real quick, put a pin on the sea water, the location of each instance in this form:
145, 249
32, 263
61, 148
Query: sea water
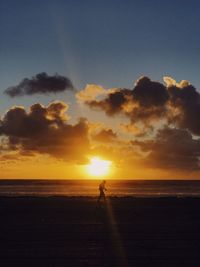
118, 188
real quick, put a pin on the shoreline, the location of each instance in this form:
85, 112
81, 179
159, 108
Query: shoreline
108, 197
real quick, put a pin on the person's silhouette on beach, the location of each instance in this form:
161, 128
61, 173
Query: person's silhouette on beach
102, 190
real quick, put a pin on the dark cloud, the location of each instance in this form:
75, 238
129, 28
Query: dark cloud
186, 104
45, 130
41, 83
113, 103
105, 136
151, 102
147, 101
149, 93
171, 148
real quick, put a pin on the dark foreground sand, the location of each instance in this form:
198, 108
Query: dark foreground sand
61, 231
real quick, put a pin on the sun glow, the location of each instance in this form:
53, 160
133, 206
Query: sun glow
98, 167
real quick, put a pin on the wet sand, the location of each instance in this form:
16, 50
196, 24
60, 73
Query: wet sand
62, 231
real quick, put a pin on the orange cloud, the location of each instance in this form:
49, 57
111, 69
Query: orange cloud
90, 92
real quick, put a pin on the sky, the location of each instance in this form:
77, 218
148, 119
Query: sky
78, 57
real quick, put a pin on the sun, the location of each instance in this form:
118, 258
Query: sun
98, 167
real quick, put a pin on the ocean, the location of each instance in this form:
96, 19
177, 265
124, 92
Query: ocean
117, 188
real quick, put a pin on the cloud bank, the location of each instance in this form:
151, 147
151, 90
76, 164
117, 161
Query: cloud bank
45, 130
161, 121
149, 102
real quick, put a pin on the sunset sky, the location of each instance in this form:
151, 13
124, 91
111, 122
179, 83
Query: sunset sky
111, 80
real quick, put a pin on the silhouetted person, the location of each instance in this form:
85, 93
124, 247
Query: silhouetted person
102, 190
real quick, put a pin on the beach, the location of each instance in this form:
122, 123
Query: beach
75, 231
